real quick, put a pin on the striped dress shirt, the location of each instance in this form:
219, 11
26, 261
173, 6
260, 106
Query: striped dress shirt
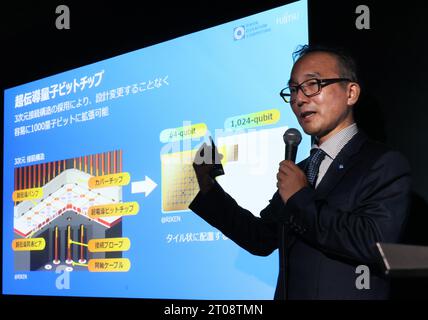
332, 148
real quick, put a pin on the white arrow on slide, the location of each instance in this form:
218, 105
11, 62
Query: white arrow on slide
146, 186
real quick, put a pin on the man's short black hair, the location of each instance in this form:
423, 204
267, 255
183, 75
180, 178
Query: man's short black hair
346, 63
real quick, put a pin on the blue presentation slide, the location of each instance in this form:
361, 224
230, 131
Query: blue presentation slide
98, 170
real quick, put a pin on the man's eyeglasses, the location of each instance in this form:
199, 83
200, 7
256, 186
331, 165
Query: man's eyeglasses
310, 88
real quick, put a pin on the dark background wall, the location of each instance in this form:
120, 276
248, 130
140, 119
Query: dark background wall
392, 56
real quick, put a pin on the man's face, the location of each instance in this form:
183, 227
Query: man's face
329, 111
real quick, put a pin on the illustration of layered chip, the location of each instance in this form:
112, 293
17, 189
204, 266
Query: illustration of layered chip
57, 219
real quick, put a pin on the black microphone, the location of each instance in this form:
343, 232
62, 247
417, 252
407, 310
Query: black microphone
292, 139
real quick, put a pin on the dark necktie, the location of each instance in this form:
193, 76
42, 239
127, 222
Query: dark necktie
314, 161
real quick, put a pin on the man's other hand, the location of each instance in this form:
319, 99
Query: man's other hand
203, 164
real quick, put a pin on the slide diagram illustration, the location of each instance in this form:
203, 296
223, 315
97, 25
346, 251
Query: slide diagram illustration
70, 213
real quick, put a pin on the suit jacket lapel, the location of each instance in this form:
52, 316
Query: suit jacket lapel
340, 165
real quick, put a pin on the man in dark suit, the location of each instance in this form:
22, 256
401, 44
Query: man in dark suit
330, 209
